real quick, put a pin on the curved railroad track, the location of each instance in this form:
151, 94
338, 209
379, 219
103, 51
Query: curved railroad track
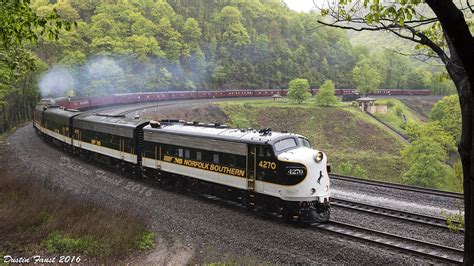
393, 213
434, 252
423, 190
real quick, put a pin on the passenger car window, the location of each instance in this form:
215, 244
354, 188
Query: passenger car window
285, 144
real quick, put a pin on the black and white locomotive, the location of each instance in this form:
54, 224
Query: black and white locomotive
276, 171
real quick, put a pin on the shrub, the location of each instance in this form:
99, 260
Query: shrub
298, 90
347, 168
326, 95
87, 245
147, 241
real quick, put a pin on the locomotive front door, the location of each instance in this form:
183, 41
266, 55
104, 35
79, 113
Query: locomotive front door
251, 166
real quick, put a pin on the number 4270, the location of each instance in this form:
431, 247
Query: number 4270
267, 165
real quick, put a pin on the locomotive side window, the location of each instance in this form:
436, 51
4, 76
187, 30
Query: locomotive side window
216, 158
265, 151
187, 154
198, 156
304, 142
285, 144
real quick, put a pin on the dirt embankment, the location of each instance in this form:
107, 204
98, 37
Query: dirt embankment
420, 106
201, 112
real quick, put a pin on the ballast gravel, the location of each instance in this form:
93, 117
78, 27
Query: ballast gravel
215, 232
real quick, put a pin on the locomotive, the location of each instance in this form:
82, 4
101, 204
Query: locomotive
278, 172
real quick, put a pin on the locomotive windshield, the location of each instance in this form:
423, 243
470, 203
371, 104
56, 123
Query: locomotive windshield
289, 143
285, 144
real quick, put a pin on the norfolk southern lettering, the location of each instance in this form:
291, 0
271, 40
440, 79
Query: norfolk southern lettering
262, 169
208, 166
215, 168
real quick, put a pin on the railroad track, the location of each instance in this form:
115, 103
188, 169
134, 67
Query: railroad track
436, 253
397, 214
423, 190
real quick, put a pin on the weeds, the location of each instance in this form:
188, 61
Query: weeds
59, 224
147, 241
346, 168
454, 221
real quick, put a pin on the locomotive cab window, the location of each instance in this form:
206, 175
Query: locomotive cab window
285, 144
304, 142
265, 151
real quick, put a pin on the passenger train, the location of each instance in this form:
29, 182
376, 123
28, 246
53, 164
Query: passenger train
277, 172
122, 98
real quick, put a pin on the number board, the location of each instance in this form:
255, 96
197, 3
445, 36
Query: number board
295, 171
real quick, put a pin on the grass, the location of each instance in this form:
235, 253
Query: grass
281, 102
396, 113
35, 219
347, 135
355, 143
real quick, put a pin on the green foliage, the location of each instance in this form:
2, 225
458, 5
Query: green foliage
454, 221
447, 112
399, 111
458, 177
432, 131
147, 241
87, 245
326, 95
298, 90
240, 122
20, 22
427, 168
366, 77
398, 114
347, 168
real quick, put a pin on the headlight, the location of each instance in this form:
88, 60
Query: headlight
318, 156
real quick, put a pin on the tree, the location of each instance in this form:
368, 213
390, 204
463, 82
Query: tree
326, 95
433, 131
19, 24
233, 31
447, 113
298, 90
428, 170
446, 34
366, 77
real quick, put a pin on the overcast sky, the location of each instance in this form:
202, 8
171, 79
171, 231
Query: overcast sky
300, 5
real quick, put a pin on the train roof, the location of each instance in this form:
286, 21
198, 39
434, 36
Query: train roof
219, 132
106, 123
54, 109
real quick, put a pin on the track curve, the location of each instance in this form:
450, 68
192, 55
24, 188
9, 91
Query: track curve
212, 232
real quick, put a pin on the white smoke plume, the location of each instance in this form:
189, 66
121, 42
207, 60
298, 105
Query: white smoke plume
56, 82
105, 75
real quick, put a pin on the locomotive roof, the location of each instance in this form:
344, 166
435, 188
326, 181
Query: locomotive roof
220, 132
119, 120
111, 124
56, 110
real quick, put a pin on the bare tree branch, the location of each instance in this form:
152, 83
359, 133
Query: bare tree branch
470, 7
352, 28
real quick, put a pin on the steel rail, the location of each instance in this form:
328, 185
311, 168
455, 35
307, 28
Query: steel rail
423, 190
431, 251
394, 213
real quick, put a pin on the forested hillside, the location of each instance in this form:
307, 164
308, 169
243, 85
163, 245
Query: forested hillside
152, 45
184, 45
